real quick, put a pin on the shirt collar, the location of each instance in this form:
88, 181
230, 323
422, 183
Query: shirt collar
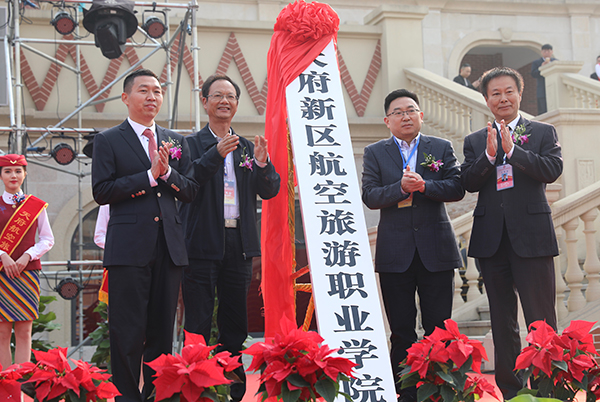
512, 125
405, 144
140, 128
8, 197
216, 136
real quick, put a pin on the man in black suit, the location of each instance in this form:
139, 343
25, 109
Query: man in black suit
144, 250
463, 77
547, 57
408, 177
220, 224
513, 235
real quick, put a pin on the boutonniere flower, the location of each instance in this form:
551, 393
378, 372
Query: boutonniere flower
19, 198
246, 161
175, 148
519, 137
431, 163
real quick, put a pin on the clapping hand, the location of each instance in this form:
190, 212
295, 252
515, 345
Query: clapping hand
260, 149
412, 181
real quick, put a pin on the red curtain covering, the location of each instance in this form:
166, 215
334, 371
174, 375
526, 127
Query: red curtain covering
302, 31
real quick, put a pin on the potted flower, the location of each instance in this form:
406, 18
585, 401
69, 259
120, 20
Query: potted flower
52, 379
194, 375
295, 366
561, 365
438, 367
10, 384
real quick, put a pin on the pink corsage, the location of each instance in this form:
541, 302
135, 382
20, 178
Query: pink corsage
246, 161
175, 150
519, 137
431, 163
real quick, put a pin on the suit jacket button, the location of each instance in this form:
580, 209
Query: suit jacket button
158, 195
132, 195
501, 205
416, 229
156, 219
143, 191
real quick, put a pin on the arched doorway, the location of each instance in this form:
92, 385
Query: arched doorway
483, 58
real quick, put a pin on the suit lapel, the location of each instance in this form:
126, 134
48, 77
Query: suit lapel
392, 149
132, 139
424, 148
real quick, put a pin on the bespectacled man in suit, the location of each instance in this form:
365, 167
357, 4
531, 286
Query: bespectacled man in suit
140, 169
409, 177
220, 224
513, 235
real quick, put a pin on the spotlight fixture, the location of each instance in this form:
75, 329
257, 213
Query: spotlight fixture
63, 22
111, 22
63, 153
154, 27
68, 288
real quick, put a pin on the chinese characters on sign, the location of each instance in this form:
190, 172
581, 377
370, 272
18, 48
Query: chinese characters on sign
344, 287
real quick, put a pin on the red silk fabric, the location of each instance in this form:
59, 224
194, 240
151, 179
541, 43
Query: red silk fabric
302, 31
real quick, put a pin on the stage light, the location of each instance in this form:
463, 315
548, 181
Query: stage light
68, 288
63, 22
63, 154
111, 22
154, 27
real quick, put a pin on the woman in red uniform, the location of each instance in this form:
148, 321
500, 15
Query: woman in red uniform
21, 217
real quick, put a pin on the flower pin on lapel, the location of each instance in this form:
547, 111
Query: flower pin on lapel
431, 163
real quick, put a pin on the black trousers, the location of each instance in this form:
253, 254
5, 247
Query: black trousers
231, 278
142, 306
505, 274
435, 290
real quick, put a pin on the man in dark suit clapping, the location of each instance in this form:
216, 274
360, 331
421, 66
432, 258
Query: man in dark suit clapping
140, 169
408, 177
221, 229
513, 235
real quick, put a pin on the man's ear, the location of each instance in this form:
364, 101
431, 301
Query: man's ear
125, 98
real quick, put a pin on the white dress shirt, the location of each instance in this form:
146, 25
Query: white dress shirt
511, 128
46, 238
139, 131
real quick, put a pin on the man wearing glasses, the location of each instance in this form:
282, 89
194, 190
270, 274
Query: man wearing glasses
220, 224
409, 177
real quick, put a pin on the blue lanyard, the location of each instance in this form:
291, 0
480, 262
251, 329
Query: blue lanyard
405, 161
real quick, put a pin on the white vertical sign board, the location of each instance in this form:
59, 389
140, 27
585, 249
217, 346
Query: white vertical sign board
343, 279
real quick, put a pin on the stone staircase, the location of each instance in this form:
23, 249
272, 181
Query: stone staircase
477, 328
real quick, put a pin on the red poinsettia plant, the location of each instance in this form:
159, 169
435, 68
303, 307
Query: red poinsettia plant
295, 366
438, 367
561, 365
52, 379
194, 375
10, 384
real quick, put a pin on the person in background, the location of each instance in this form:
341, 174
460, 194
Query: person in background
547, 57
21, 218
463, 77
596, 74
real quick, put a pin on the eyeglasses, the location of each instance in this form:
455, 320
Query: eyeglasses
402, 113
219, 97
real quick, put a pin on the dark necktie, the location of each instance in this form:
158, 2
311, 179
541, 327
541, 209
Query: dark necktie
151, 142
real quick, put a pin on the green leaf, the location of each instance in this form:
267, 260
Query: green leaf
289, 396
447, 393
327, 388
297, 380
73, 396
562, 365
425, 391
545, 387
210, 394
345, 395
448, 378
527, 391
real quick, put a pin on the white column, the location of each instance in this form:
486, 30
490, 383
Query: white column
592, 263
574, 275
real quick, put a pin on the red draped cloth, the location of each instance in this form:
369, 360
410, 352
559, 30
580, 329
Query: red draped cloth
302, 31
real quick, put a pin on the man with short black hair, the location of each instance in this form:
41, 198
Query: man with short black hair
547, 57
135, 171
509, 163
463, 77
409, 177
